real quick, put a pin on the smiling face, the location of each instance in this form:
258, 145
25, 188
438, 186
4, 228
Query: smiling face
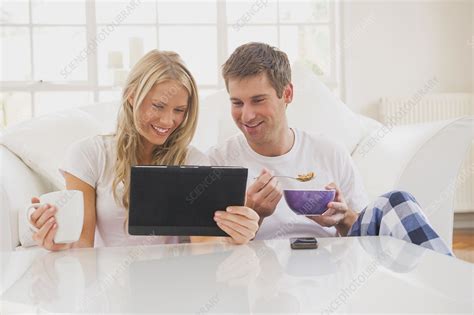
257, 110
162, 112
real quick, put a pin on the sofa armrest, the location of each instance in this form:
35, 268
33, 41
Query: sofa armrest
17, 185
424, 159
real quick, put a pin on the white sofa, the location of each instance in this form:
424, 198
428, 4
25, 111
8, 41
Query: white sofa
422, 159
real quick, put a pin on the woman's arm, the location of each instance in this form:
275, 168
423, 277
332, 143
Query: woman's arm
88, 229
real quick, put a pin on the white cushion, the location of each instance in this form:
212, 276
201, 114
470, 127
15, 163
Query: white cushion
105, 114
369, 125
316, 109
41, 142
207, 128
218, 106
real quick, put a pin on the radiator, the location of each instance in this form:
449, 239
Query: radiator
433, 107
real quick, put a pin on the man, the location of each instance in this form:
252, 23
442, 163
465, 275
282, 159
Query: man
258, 80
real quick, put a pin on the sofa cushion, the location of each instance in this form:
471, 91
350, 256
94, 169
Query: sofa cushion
219, 105
41, 142
207, 128
105, 113
369, 125
316, 109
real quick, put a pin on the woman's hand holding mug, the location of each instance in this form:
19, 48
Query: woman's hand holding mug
56, 219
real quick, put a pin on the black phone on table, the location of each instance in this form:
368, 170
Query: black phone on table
303, 243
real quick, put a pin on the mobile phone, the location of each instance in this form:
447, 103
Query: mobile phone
303, 243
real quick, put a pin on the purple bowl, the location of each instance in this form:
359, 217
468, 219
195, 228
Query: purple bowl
309, 202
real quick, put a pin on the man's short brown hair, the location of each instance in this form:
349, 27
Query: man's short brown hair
255, 58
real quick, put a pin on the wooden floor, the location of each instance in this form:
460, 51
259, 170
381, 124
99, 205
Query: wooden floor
463, 244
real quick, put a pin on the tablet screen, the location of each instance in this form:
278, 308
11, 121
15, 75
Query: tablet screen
181, 200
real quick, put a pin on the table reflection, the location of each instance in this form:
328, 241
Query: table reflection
263, 276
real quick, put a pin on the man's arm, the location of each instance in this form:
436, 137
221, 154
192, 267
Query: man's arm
263, 195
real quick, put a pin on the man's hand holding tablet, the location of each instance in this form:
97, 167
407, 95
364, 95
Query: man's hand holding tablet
240, 222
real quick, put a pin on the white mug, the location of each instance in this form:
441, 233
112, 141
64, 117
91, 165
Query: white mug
69, 215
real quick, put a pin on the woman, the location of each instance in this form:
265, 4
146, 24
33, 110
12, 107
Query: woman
156, 124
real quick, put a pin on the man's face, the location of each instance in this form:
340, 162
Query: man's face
257, 110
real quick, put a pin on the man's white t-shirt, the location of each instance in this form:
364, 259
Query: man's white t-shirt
92, 161
310, 153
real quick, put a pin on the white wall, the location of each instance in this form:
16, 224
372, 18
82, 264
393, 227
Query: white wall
392, 48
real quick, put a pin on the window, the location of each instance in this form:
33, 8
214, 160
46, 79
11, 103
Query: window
61, 54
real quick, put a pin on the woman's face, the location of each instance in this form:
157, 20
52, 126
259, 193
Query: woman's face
162, 111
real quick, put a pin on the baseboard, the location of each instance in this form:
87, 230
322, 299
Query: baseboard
464, 220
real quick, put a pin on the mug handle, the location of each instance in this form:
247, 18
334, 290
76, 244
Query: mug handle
28, 215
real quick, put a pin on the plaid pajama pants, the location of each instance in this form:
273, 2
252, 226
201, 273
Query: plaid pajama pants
398, 214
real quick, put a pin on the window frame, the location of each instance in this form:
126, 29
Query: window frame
92, 83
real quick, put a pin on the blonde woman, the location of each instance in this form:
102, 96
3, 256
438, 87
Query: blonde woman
156, 124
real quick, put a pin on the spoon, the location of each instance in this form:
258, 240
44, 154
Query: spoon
300, 178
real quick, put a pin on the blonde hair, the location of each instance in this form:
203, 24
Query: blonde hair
255, 58
153, 68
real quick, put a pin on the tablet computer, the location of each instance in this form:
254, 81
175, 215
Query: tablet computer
181, 200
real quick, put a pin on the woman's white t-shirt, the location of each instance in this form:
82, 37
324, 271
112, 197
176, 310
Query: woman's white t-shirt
310, 153
92, 161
